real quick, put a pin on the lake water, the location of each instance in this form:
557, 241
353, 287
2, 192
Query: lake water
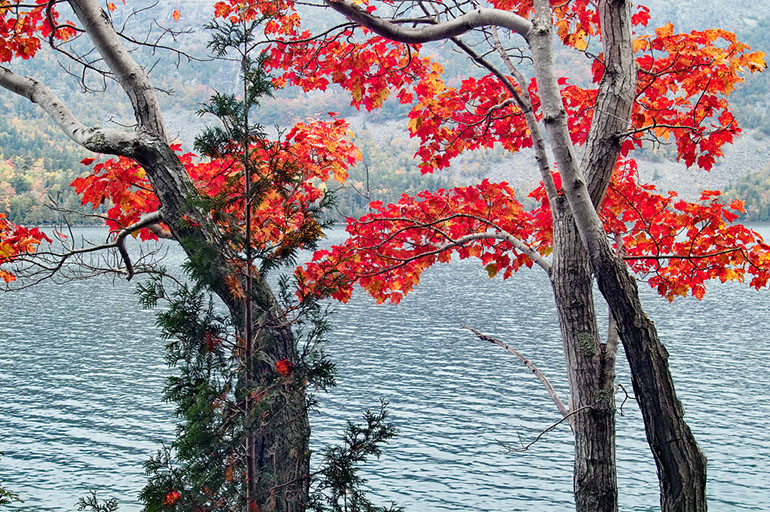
81, 374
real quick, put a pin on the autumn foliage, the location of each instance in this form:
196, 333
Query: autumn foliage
15, 240
252, 201
295, 169
23, 26
684, 81
676, 245
391, 247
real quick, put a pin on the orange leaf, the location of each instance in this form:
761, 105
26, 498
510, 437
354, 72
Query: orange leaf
172, 498
283, 366
176, 15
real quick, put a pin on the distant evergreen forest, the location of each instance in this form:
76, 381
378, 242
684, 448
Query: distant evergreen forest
37, 162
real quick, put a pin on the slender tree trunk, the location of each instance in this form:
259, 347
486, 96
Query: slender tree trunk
251, 448
681, 464
590, 370
280, 433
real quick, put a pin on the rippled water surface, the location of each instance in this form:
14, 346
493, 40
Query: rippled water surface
81, 374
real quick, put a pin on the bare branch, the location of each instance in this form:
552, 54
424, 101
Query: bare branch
100, 140
45, 264
529, 364
525, 447
458, 26
625, 398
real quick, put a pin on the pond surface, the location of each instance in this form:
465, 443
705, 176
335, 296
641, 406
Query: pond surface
81, 374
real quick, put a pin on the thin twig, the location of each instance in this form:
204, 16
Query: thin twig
525, 447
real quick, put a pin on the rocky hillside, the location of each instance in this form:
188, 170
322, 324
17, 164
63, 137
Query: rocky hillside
387, 148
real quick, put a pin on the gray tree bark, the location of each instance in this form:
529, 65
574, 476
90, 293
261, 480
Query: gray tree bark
590, 369
681, 465
281, 439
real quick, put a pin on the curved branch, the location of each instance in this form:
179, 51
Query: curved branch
99, 140
158, 231
458, 26
150, 219
131, 76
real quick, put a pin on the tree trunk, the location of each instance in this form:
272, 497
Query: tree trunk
681, 464
590, 370
281, 436
280, 428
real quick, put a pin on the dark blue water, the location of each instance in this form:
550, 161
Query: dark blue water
81, 375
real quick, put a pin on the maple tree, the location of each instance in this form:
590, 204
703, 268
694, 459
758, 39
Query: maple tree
595, 220
240, 209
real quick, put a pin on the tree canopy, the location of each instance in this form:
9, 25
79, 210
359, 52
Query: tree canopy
624, 85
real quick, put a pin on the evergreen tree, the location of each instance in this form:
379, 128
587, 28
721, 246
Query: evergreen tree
227, 391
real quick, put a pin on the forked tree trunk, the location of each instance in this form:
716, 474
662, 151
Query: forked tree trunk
681, 465
681, 468
590, 370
